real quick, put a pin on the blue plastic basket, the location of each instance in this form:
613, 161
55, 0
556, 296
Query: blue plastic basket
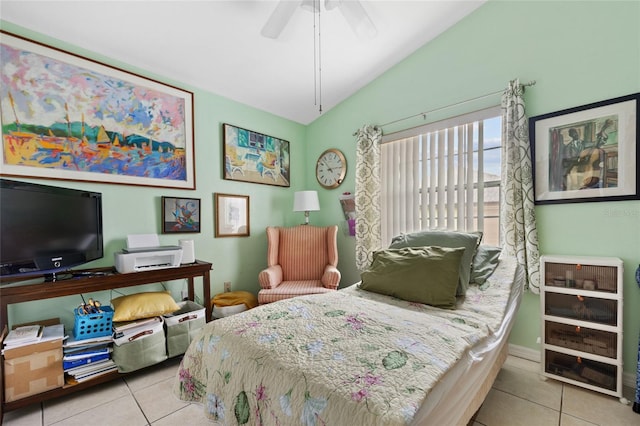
93, 325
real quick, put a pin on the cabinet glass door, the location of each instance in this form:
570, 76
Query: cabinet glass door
582, 339
592, 309
581, 370
576, 275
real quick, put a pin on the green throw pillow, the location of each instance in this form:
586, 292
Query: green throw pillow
484, 263
468, 240
426, 275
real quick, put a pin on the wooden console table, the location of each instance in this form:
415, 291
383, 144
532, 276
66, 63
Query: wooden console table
17, 292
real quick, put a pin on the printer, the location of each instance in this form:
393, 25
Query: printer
144, 253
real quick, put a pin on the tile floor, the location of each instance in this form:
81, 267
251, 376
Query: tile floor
518, 397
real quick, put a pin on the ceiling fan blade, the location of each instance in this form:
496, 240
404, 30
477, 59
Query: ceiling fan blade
331, 4
358, 19
279, 18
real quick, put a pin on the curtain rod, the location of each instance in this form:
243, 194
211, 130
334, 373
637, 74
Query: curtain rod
424, 114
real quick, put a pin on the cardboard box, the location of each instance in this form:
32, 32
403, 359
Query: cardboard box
32, 369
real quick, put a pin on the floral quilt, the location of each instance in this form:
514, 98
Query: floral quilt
344, 357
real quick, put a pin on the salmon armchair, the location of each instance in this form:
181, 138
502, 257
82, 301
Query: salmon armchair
300, 260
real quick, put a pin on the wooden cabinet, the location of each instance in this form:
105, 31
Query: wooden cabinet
25, 292
581, 302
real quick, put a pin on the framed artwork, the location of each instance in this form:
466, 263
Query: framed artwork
68, 117
587, 153
232, 215
253, 157
180, 215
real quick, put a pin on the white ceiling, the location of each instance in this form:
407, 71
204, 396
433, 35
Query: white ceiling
217, 46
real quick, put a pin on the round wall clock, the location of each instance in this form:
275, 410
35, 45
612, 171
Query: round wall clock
331, 168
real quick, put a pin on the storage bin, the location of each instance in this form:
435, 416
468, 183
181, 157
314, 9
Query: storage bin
231, 303
182, 326
226, 311
87, 326
140, 347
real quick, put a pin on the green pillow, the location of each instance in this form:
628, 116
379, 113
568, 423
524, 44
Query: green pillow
484, 263
468, 240
426, 275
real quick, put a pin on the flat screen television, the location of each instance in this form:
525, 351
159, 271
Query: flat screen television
45, 229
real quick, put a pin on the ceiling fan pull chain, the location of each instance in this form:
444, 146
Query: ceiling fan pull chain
315, 58
319, 57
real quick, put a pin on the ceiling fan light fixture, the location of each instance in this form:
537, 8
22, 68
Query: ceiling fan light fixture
314, 5
352, 10
332, 4
310, 6
358, 19
279, 18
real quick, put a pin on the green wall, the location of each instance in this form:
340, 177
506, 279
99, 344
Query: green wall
577, 51
137, 210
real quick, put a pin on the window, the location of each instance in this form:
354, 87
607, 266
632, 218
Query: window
443, 175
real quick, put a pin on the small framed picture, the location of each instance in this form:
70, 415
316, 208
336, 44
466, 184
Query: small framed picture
587, 153
180, 215
232, 215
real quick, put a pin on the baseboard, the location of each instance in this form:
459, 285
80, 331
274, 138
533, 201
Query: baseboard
524, 352
628, 379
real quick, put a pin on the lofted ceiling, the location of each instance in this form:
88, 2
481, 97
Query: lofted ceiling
217, 45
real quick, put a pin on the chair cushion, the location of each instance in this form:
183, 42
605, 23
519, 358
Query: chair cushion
288, 289
303, 252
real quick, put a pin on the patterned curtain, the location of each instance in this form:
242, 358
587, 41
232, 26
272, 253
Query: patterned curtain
367, 194
517, 217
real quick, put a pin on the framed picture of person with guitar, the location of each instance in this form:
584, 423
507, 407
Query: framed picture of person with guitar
587, 153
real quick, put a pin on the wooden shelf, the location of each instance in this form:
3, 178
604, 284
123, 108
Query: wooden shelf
37, 289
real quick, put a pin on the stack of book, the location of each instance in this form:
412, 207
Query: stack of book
24, 335
87, 359
30, 334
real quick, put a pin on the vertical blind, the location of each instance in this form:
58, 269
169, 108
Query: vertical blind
430, 178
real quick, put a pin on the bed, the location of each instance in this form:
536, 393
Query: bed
354, 357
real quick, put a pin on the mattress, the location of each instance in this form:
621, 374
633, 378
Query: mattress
462, 390
346, 357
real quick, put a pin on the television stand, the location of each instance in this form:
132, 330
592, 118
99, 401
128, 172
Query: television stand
88, 281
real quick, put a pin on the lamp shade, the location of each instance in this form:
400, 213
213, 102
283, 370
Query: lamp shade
306, 201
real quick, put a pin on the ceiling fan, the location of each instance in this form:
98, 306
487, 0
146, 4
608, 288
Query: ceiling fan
352, 11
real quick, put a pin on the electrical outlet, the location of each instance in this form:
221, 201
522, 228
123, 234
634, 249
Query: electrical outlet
227, 286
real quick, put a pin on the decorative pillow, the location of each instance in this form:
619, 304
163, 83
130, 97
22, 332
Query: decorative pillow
468, 240
416, 274
484, 263
233, 298
143, 305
